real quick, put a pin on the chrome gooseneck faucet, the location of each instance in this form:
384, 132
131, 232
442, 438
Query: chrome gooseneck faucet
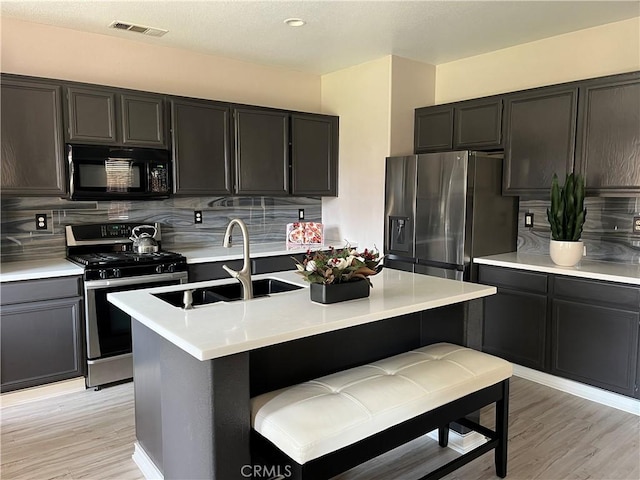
244, 275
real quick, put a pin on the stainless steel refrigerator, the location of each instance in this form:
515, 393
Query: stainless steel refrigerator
442, 210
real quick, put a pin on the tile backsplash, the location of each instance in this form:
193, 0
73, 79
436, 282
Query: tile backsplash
266, 218
607, 232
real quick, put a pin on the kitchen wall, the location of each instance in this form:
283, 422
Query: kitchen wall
607, 232
375, 102
592, 52
265, 217
41, 50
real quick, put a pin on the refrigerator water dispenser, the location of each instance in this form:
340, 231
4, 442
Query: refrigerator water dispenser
400, 235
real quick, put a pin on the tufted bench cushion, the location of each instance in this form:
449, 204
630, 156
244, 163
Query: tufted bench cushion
314, 418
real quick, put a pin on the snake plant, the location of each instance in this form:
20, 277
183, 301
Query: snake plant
567, 213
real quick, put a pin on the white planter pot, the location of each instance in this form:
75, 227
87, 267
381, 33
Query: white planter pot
566, 254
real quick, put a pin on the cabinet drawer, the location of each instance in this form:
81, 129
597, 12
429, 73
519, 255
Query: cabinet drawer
624, 296
510, 278
276, 264
45, 289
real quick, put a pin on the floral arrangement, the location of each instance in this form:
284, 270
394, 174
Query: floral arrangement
339, 265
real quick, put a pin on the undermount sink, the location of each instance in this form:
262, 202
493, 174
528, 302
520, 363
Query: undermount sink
228, 292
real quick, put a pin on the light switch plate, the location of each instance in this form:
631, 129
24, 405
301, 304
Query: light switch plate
301, 214
528, 220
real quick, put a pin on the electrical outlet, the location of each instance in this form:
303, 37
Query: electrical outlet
301, 214
636, 225
197, 216
528, 220
41, 221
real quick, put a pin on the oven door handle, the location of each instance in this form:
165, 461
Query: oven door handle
118, 282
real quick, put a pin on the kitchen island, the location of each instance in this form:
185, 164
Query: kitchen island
195, 370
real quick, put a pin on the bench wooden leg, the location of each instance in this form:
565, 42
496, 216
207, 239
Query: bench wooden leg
502, 429
443, 435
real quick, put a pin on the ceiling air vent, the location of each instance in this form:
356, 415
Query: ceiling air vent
151, 31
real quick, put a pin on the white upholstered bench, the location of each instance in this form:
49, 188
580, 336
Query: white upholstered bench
333, 423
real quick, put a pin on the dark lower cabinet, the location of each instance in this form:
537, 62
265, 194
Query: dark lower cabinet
515, 319
595, 344
199, 272
32, 159
515, 327
580, 329
607, 152
201, 147
41, 340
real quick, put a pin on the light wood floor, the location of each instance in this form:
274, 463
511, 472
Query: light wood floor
553, 436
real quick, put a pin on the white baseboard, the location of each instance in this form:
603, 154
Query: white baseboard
461, 443
604, 397
45, 391
145, 464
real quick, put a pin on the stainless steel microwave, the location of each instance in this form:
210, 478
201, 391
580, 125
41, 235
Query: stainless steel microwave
118, 173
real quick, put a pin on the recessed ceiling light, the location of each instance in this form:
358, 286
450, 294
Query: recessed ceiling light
294, 22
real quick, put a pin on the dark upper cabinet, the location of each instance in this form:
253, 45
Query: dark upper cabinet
478, 124
32, 142
143, 122
279, 152
314, 155
91, 116
433, 129
113, 117
474, 124
201, 140
540, 127
608, 144
262, 151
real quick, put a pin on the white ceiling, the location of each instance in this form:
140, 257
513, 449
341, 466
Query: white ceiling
338, 34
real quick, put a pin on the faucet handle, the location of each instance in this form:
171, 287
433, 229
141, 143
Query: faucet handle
187, 299
233, 273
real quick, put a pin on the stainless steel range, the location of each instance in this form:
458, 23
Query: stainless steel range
110, 265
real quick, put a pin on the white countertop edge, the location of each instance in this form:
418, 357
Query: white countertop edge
477, 291
605, 271
38, 269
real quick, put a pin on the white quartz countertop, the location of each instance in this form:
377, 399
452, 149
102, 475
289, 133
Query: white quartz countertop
219, 329
612, 272
59, 267
218, 253
34, 269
